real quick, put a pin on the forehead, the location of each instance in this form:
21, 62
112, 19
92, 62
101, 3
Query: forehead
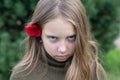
59, 26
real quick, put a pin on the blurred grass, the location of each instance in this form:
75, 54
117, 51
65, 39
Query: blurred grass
112, 76
112, 64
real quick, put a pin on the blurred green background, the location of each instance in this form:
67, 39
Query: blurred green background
104, 17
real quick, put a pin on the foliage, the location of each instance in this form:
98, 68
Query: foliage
10, 53
103, 16
14, 14
112, 64
112, 76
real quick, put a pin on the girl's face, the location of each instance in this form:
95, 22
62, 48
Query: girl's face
58, 37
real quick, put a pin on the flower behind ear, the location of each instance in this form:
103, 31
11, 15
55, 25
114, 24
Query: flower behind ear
33, 30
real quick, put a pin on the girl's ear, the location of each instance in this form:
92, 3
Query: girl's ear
41, 41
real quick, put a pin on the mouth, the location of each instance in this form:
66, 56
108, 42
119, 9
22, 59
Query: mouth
61, 57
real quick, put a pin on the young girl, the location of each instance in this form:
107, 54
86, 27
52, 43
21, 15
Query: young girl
59, 45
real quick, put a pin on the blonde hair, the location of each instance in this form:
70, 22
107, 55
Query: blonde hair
86, 50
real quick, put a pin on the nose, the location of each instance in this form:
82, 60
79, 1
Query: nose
62, 47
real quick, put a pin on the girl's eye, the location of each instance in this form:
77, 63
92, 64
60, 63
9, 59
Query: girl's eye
72, 38
52, 38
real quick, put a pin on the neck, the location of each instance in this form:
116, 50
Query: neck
55, 63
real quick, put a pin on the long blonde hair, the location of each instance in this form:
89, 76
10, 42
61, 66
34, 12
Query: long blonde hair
86, 50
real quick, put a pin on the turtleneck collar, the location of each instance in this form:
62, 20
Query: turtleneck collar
55, 63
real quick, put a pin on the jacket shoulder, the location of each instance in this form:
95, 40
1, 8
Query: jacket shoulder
101, 73
98, 72
21, 74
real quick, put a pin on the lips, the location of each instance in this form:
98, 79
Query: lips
61, 57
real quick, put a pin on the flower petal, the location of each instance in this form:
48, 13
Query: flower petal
33, 30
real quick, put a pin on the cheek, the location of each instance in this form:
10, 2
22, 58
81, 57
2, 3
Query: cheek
50, 48
72, 48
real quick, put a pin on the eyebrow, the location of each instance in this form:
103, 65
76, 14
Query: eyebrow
57, 35
53, 34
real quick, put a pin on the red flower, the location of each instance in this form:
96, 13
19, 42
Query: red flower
33, 30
